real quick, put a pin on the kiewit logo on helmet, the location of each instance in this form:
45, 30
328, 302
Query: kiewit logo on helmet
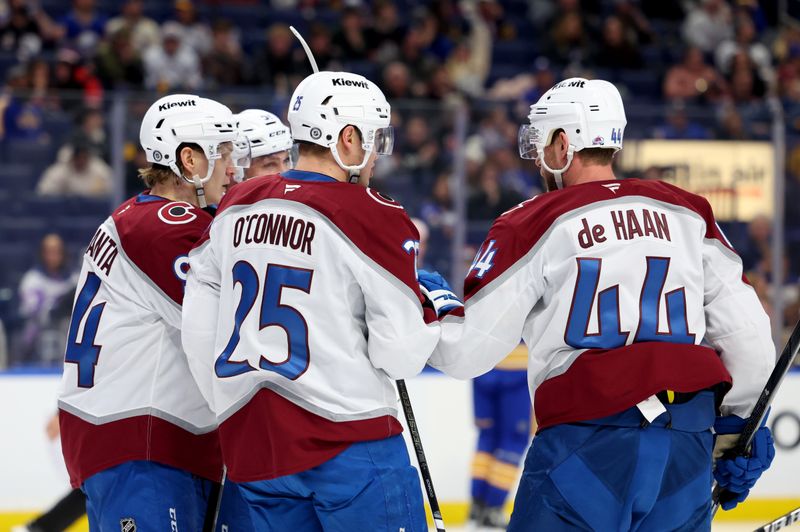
341, 82
184, 103
563, 84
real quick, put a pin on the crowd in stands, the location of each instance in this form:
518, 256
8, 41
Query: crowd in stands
688, 69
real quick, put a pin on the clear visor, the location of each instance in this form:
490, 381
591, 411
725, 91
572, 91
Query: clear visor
383, 140
530, 140
218, 151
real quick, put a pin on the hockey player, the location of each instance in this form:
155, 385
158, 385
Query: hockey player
613, 285
137, 435
271, 145
503, 418
302, 306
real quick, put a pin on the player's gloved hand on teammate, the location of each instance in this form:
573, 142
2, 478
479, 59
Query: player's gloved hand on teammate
435, 288
738, 474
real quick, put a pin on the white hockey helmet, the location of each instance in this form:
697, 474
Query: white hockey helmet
186, 118
265, 131
325, 102
589, 111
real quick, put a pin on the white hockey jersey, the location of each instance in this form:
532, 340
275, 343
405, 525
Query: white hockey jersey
127, 392
302, 306
613, 286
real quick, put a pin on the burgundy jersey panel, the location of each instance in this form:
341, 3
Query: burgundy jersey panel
89, 449
156, 233
290, 438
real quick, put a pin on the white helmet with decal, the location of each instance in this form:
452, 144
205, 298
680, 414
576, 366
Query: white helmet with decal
325, 102
186, 118
265, 131
589, 111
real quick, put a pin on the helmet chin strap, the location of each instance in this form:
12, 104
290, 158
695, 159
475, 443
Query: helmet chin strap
558, 173
354, 171
198, 183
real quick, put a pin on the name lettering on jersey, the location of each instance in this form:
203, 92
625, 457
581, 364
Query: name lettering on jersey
103, 251
274, 229
627, 225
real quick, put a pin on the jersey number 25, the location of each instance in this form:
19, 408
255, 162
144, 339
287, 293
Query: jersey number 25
272, 313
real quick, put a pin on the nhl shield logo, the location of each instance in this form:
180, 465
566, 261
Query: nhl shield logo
127, 525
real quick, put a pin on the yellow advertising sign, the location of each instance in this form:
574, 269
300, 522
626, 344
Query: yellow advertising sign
735, 177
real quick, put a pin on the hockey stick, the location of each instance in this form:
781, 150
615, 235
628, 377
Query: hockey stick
781, 522
742, 446
405, 400
210, 523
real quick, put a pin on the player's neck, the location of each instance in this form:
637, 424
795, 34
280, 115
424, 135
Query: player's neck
588, 174
322, 166
175, 193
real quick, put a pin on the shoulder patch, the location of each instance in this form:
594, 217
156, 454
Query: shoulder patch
177, 213
383, 199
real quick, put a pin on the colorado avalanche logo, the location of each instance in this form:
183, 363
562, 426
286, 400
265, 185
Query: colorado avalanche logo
598, 141
176, 213
383, 199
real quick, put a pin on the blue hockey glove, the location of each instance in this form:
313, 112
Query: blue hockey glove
738, 474
434, 287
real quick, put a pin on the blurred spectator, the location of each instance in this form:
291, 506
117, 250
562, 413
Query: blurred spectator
173, 65
437, 208
275, 63
514, 175
83, 26
569, 42
143, 31
745, 43
730, 125
440, 86
350, 41
22, 115
74, 83
118, 62
757, 246
635, 25
321, 44
708, 23
223, 64
90, 132
420, 63
789, 75
693, 79
26, 30
469, 63
83, 174
491, 199
745, 85
678, 126
42, 290
432, 37
396, 81
385, 33
617, 49
526, 86
420, 155
194, 33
